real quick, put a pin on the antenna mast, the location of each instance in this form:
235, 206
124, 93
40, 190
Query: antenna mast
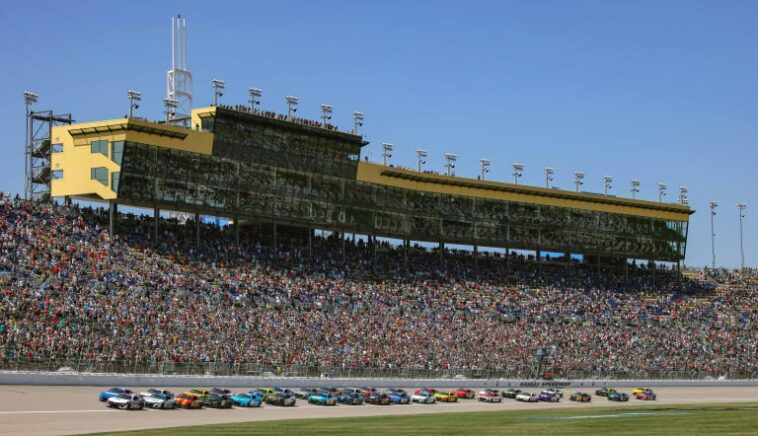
178, 79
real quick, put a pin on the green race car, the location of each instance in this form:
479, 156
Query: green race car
618, 396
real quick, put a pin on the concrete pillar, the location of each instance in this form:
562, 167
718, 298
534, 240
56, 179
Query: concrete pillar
442, 254
310, 243
237, 230
406, 246
197, 229
156, 217
112, 218
476, 260
273, 236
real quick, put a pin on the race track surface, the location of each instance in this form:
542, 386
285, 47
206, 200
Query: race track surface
46, 410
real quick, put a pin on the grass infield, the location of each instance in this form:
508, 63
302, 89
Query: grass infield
710, 419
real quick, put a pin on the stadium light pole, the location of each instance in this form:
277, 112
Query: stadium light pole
218, 90
386, 151
134, 98
635, 188
326, 113
578, 179
742, 207
714, 205
255, 98
170, 111
683, 195
607, 180
518, 171
450, 159
357, 121
29, 99
548, 176
485, 164
661, 192
291, 105
421, 155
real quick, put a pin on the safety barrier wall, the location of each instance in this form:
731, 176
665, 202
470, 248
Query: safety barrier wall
137, 380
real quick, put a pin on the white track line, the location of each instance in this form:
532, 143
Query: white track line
29, 412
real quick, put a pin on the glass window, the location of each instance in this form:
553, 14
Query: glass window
57, 148
57, 174
100, 147
114, 181
117, 152
100, 174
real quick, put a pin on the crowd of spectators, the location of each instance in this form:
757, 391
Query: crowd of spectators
272, 114
69, 290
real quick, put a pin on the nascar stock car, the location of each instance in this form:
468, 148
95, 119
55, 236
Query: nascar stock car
618, 396
398, 396
113, 392
322, 399
126, 401
159, 400
580, 397
490, 396
423, 397
247, 399
647, 394
549, 397
464, 393
379, 398
280, 399
351, 398
527, 397
446, 397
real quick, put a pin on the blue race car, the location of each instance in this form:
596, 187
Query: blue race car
113, 392
351, 398
323, 399
398, 396
247, 399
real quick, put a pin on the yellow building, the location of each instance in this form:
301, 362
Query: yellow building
260, 168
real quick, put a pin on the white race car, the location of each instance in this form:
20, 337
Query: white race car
423, 398
160, 401
126, 401
490, 396
552, 391
528, 397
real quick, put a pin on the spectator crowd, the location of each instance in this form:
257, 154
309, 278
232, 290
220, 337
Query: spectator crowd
69, 290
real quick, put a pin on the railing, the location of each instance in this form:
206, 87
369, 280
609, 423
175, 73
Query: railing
299, 371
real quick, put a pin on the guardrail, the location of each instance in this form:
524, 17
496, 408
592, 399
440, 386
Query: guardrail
225, 369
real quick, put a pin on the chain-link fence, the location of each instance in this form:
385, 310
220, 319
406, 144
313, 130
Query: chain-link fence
260, 370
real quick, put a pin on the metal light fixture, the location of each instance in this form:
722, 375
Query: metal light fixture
421, 155
635, 188
713, 205
326, 113
485, 163
291, 105
661, 192
518, 171
386, 151
578, 179
607, 180
357, 121
218, 90
170, 108
450, 159
134, 98
548, 176
255, 98
742, 207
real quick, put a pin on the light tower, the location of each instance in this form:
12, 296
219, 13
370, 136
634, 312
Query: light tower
578, 179
714, 205
485, 163
255, 98
170, 108
134, 98
450, 159
635, 188
218, 90
29, 99
357, 121
421, 155
386, 151
548, 176
326, 114
683, 199
291, 105
607, 180
178, 79
742, 207
518, 171
661, 192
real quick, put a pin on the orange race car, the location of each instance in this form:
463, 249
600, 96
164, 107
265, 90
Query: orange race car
188, 400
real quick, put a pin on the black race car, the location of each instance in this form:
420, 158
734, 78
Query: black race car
217, 401
604, 392
280, 399
378, 398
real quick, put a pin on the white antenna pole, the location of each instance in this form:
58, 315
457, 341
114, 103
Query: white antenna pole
184, 44
173, 33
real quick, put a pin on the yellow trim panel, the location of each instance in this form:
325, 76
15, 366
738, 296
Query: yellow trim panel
425, 182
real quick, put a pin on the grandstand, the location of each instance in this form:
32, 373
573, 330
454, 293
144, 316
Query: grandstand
293, 177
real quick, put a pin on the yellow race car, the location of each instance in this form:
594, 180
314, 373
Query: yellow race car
446, 397
639, 391
198, 392
268, 393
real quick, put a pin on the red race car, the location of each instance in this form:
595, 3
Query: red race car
464, 393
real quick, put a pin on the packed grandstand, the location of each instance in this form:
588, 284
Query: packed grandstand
72, 296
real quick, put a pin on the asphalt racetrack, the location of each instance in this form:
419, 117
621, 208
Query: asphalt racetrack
45, 410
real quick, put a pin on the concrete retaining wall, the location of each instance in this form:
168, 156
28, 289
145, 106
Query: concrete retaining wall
145, 380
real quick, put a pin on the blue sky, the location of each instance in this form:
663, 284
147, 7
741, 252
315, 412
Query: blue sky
661, 91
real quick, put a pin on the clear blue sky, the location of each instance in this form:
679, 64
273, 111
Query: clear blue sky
662, 91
